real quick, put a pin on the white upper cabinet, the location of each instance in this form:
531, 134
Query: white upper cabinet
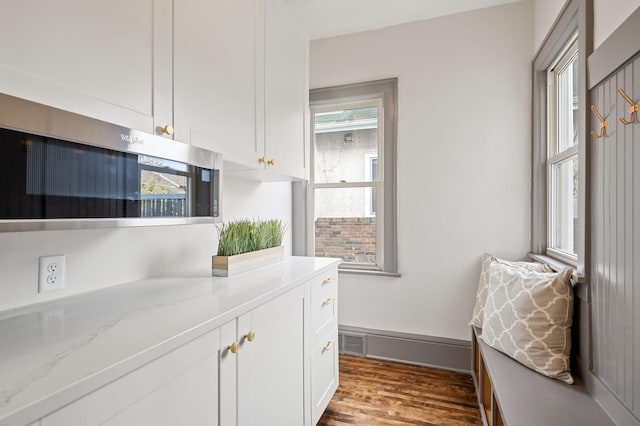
214, 76
93, 58
281, 98
226, 75
285, 88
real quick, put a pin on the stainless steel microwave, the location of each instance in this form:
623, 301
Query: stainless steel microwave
60, 170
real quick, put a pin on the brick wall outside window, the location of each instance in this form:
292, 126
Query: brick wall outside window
350, 238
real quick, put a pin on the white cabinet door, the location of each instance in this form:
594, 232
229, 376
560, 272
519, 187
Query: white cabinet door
228, 373
284, 92
262, 382
271, 367
324, 374
92, 58
180, 387
214, 76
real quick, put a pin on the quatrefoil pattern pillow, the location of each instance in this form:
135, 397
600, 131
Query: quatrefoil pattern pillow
477, 318
528, 316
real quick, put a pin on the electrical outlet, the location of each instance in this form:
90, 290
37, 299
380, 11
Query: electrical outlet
51, 273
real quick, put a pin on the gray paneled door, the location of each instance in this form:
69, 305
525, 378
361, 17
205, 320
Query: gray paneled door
615, 237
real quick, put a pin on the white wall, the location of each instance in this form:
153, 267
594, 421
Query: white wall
254, 200
106, 257
608, 15
545, 14
463, 159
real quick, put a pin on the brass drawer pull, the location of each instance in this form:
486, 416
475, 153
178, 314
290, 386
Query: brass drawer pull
233, 347
328, 301
327, 280
249, 336
328, 345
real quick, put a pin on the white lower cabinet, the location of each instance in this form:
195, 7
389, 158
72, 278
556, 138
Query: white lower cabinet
180, 387
262, 364
276, 364
324, 341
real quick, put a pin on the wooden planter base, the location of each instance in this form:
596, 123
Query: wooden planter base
226, 266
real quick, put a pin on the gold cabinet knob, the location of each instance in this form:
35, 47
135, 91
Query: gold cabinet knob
250, 336
168, 130
272, 162
328, 345
327, 280
328, 301
233, 347
262, 160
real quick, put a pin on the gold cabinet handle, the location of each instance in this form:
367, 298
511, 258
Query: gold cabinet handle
262, 160
168, 130
249, 336
233, 347
328, 345
272, 162
327, 280
328, 301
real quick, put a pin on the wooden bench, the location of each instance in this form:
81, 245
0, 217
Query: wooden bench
511, 394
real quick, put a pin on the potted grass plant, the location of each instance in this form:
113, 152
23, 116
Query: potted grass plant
246, 244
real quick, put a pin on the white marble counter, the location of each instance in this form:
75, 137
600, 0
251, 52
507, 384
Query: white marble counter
53, 353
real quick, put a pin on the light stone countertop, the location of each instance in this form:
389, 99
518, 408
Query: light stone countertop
53, 353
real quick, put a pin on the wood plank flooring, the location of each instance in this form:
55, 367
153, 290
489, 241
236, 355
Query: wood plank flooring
374, 392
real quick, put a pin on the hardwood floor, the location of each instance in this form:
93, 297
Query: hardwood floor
376, 392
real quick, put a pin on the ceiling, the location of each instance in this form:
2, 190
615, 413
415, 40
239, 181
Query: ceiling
328, 18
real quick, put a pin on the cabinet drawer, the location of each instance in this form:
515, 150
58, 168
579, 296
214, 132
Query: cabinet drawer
324, 373
324, 284
324, 314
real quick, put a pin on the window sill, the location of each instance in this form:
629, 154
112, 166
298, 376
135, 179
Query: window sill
558, 265
369, 272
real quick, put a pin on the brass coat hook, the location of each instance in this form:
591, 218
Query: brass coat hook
603, 123
633, 109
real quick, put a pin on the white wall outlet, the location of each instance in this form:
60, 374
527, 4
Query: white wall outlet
51, 273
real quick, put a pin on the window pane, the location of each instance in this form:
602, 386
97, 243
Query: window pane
344, 225
565, 205
344, 139
568, 105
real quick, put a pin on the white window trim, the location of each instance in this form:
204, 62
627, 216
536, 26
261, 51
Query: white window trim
377, 186
368, 157
553, 156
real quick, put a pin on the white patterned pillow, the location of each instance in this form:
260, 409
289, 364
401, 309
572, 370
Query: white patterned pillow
477, 318
528, 316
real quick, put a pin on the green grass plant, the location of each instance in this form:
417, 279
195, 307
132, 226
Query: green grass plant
244, 236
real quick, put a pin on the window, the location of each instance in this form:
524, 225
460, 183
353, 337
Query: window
351, 192
560, 121
562, 154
